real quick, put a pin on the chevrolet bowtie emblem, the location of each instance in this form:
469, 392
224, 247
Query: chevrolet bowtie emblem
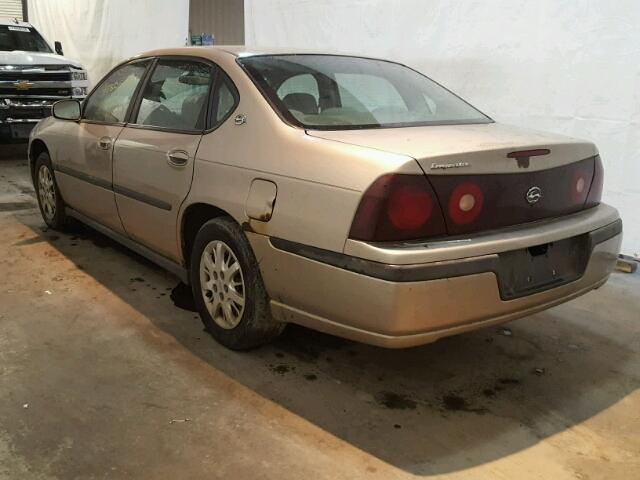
23, 85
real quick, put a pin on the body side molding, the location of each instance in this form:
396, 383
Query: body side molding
163, 262
113, 187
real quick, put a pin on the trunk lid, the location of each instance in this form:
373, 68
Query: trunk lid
478, 186
467, 149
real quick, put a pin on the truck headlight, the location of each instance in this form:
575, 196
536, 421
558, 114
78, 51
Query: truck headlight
78, 75
78, 91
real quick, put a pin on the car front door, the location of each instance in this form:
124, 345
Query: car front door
84, 157
154, 154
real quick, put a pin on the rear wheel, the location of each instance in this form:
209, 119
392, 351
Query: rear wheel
49, 198
228, 288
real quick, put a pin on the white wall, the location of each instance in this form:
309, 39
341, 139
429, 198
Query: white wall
567, 66
101, 33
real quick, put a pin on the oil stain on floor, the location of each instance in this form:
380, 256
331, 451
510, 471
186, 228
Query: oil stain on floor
395, 401
182, 297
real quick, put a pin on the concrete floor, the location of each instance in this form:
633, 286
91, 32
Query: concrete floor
102, 376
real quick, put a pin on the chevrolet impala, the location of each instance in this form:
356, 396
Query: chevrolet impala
350, 195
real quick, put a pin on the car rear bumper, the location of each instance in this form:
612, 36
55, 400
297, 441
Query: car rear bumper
405, 304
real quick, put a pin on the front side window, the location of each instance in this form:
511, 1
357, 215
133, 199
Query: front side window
331, 92
110, 100
176, 95
16, 37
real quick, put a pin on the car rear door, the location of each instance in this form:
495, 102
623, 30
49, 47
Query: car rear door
83, 158
154, 154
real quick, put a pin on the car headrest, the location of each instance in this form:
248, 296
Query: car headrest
303, 102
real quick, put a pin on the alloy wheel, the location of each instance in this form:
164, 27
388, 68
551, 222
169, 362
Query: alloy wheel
47, 193
222, 284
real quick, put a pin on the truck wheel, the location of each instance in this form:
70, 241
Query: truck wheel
49, 198
228, 289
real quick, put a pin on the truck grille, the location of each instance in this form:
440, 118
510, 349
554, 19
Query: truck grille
27, 93
36, 76
47, 92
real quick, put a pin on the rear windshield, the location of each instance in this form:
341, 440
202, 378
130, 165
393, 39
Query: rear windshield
329, 92
16, 37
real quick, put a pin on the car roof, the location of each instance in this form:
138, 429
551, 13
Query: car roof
244, 51
214, 52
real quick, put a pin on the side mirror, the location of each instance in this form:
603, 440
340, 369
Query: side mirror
68, 109
58, 47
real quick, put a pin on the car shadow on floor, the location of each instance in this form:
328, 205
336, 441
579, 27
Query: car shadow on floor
440, 408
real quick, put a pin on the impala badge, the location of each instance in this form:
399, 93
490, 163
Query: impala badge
446, 166
23, 85
534, 194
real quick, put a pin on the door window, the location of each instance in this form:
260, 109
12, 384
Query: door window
110, 100
175, 96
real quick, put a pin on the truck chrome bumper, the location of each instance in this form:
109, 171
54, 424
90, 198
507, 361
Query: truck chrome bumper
26, 109
11, 121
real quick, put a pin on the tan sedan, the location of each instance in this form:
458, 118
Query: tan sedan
351, 195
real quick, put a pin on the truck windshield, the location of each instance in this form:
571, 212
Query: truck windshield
16, 37
331, 92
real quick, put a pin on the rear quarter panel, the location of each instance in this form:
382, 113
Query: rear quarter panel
319, 182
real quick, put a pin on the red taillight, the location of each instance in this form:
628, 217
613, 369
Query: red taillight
595, 192
579, 186
465, 203
409, 208
398, 207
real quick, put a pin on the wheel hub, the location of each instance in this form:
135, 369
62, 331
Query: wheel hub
46, 192
222, 284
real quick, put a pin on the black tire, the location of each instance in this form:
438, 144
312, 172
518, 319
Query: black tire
58, 220
256, 326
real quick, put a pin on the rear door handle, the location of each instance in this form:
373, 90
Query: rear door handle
105, 143
177, 158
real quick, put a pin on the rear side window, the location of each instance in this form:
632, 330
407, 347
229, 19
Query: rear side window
110, 101
225, 99
225, 102
175, 97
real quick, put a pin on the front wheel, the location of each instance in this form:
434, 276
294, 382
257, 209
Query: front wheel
49, 198
228, 289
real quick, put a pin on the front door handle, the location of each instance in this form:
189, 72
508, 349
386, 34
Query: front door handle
105, 143
177, 158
